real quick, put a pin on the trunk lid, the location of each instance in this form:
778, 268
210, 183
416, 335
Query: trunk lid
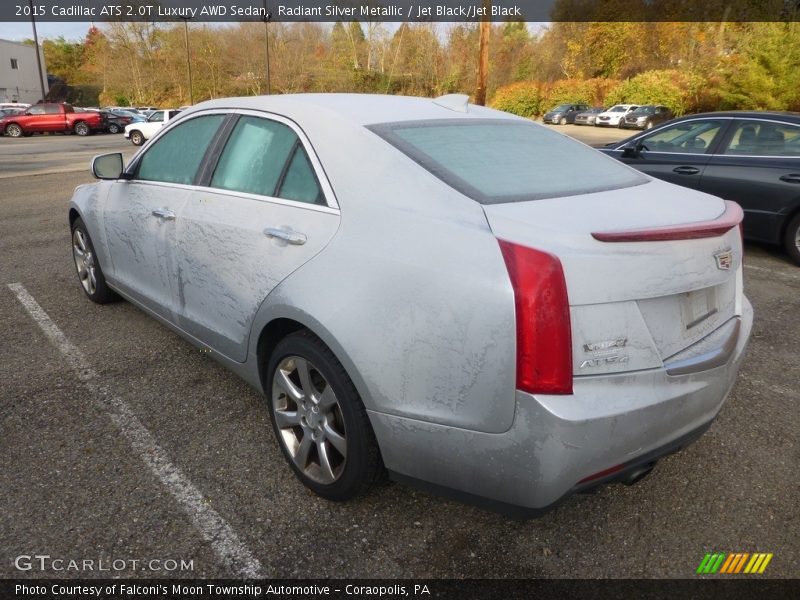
633, 304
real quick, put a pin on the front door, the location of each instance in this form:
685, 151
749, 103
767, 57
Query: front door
141, 214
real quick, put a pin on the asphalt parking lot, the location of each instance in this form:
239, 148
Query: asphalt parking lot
120, 441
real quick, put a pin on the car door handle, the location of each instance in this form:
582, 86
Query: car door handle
686, 170
293, 237
163, 213
791, 178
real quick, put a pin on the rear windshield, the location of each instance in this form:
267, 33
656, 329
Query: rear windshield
495, 161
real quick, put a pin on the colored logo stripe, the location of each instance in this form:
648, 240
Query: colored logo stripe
734, 563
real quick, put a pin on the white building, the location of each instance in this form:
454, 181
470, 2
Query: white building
19, 76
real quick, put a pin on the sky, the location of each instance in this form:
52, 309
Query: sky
21, 31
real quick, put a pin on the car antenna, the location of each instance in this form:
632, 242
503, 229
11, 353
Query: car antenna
454, 102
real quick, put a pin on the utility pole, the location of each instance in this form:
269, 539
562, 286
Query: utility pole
483, 55
38, 52
188, 58
267, 17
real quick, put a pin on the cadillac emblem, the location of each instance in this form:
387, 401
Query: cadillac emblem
724, 259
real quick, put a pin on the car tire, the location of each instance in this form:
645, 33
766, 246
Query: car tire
621, 125
113, 128
89, 272
319, 420
562, 121
82, 129
792, 239
14, 131
649, 125
137, 138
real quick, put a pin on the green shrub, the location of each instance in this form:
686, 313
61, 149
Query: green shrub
523, 98
677, 90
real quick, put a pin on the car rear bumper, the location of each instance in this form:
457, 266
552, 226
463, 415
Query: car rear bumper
559, 445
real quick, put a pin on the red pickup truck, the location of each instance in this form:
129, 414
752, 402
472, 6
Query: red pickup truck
59, 118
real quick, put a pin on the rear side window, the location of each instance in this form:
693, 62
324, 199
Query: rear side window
764, 138
496, 161
266, 158
177, 154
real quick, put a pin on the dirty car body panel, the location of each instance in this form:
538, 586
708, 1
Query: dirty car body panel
401, 267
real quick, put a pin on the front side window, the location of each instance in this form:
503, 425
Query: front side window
266, 158
494, 161
156, 117
176, 156
36, 110
689, 137
762, 138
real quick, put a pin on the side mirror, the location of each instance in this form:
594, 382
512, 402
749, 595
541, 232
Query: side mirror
108, 166
634, 149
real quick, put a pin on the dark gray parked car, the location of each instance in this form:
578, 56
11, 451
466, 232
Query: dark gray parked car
564, 113
752, 158
646, 117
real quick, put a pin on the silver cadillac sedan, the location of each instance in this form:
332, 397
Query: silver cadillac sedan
417, 287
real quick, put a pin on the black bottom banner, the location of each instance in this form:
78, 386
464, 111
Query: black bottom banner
539, 589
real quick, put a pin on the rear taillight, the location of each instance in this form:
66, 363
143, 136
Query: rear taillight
544, 335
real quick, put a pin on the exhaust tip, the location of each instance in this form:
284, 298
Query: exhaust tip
636, 475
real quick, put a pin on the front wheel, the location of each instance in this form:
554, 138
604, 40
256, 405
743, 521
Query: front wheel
137, 138
82, 129
562, 121
792, 239
14, 130
89, 272
319, 419
113, 128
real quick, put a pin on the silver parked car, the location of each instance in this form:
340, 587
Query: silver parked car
417, 285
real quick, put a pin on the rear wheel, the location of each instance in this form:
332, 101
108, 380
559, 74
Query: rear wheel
319, 419
137, 138
82, 128
89, 272
792, 239
14, 130
113, 128
562, 121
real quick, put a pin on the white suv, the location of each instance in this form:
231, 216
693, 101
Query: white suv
613, 116
138, 133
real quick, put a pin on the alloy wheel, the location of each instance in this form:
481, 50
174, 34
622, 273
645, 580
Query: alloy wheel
84, 261
309, 420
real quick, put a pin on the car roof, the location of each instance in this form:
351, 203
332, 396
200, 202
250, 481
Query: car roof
794, 117
356, 109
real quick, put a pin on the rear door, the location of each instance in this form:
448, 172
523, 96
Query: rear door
140, 214
264, 209
677, 153
758, 166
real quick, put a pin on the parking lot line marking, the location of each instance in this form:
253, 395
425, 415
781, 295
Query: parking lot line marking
214, 529
789, 276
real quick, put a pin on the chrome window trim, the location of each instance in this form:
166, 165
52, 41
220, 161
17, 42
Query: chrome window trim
331, 202
245, 195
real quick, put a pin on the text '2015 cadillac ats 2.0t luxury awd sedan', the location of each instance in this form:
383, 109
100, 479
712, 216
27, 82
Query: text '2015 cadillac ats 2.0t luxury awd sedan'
417, 286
